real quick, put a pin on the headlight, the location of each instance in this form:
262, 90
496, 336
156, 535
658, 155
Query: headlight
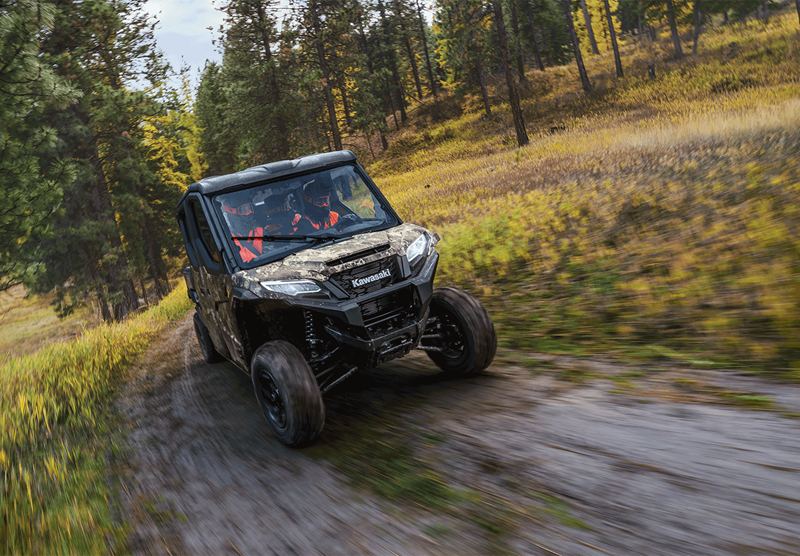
418, 249
292, 287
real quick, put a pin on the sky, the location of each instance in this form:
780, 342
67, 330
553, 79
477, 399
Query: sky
183, 35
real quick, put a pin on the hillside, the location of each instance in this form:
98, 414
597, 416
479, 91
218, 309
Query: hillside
657, 216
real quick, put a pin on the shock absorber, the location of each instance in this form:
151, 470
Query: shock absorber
312, 341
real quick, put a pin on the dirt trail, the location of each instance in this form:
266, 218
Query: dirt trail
511, 462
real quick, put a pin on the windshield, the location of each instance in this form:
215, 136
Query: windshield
271, 220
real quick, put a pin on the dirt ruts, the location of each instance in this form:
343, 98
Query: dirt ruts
541, 455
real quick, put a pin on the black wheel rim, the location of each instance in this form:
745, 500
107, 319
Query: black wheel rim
451, 338
271, 398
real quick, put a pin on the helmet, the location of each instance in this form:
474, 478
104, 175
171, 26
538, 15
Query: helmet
240, 215
317, 197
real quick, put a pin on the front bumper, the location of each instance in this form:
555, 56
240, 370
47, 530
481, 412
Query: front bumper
375, 351
397, 318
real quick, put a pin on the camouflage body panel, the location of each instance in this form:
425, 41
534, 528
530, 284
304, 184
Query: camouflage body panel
314, 264
246, 315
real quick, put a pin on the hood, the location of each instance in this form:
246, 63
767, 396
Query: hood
319, 263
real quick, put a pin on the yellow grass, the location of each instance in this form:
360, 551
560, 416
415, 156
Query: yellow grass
27, 322
660, 212
54, 434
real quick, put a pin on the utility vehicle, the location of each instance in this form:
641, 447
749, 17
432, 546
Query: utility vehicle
302, 274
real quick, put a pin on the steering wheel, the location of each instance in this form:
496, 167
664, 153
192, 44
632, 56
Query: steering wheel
347, 220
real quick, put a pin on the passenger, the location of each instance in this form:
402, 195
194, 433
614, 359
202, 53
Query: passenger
317, 201
282, 218
246, 231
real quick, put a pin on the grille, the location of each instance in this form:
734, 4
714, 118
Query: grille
386, 312
345, 279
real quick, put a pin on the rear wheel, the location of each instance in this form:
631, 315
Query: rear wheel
288, 394
460, 336
210, 353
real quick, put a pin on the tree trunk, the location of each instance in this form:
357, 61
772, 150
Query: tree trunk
154, 263
797, 5
547, 49
274, 88
764, 9
412, 57
105, 313
613, 33
326, 86
144, 291
676, 41
529, 16
394, 109
697, 20
639, 25
424, 38
115, 271
397, 86
348, 118
587, 87
365, 49
484, 90
513, 97
369, 142
400, 94
518, 41
588, 19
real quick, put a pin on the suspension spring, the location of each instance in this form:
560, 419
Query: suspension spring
312, 340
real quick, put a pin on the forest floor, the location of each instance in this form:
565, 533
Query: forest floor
543, 454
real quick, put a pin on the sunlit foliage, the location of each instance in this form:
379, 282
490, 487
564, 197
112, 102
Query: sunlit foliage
661, 212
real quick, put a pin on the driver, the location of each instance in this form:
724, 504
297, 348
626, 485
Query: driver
247, 233
317, 201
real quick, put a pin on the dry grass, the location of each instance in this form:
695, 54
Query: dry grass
658, 212
28, 322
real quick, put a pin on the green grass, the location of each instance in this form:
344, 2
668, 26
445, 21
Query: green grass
561, 512
748, 400
57, 432
393, 469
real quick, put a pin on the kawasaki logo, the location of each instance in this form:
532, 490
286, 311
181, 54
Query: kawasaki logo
374, 278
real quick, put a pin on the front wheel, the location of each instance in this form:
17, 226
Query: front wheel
288, 394
460, 336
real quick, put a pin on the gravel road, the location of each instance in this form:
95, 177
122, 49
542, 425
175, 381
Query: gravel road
541, 455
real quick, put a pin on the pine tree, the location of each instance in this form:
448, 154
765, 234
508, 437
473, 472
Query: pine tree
31, 184
513, 96
423, 38
464, 45
588, 29
102, 47
613, 35
257, 84
219, 134
587, 86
